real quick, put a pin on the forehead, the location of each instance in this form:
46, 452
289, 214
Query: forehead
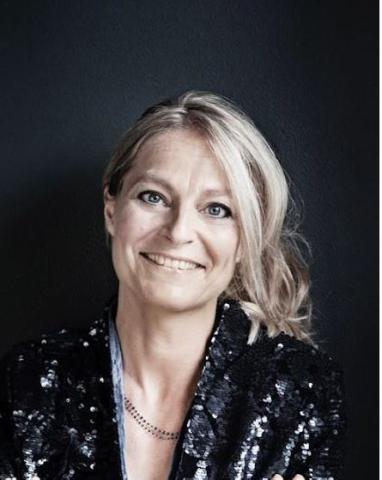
178, 155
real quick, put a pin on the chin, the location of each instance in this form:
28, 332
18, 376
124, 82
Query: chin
176, 302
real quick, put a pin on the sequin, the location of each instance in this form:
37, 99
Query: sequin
45, 382
276, 406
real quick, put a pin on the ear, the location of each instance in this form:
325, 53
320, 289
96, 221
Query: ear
109, 211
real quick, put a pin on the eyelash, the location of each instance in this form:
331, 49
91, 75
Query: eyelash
214, 204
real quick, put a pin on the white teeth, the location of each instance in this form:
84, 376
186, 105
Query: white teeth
169, 262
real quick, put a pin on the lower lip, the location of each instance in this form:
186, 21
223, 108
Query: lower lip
168, 269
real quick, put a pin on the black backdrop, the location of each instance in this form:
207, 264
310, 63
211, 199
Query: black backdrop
75, 74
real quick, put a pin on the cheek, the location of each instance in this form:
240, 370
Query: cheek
225, 243
132, 225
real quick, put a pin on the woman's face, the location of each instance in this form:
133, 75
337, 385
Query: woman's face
174, 204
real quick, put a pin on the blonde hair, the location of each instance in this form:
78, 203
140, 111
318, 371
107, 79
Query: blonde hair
272, 281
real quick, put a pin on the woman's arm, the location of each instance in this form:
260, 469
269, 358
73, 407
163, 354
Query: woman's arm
9, 458
322, 447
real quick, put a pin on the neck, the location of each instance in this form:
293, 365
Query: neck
162, 350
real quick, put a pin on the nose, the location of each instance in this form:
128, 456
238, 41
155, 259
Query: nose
180, 225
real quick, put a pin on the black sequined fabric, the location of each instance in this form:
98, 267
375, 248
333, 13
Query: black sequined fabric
276, 406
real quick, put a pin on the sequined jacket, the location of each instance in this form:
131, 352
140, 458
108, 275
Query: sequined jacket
276, 406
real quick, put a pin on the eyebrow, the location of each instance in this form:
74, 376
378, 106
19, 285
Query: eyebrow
161, 181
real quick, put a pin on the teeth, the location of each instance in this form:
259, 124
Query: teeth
168, 262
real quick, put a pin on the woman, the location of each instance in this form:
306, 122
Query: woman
203, 365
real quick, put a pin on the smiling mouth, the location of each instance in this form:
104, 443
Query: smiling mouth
172, 267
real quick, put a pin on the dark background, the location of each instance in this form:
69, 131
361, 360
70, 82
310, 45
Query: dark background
74, 76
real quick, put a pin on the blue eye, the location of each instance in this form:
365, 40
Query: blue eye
154, 198
150, 194
220, 206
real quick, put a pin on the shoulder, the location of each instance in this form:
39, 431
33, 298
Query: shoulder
300, 366
296, 364
303, 356
55, 349
290, 348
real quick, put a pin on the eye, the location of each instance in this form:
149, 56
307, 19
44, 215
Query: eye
216, 208
150, 194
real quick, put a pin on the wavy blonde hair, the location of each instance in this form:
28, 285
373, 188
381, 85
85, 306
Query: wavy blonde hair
272, 281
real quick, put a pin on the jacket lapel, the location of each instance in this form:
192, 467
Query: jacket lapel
97, 413
206, 428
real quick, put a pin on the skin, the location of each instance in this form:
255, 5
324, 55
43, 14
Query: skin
164, 316
170, 314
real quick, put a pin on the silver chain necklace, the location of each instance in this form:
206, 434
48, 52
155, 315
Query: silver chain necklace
147, 426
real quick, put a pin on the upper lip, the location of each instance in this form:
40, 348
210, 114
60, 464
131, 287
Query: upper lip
184, 259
